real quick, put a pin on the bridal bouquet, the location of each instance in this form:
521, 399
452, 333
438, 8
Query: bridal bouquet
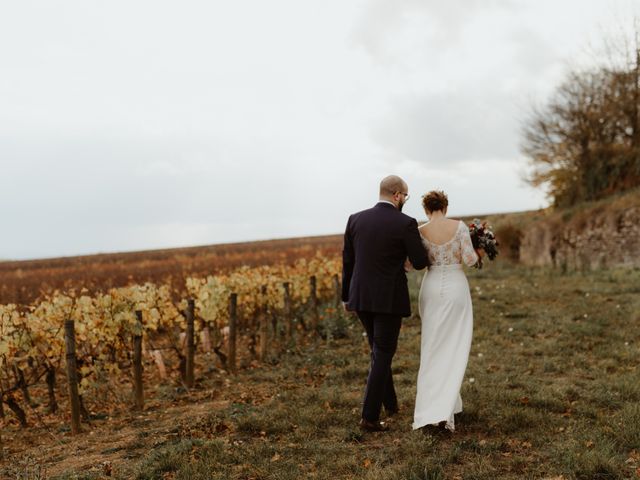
482, 237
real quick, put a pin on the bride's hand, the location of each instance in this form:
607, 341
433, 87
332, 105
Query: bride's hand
407, 265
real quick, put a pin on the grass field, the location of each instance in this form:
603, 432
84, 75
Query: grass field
552, 391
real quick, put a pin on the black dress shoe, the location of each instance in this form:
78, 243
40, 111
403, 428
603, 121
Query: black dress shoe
373, 426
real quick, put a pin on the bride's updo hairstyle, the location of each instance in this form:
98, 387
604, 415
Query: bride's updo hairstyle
434, 201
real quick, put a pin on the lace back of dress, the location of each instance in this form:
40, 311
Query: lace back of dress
455, 251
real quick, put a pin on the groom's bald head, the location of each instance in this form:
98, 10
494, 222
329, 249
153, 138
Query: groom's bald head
390, 185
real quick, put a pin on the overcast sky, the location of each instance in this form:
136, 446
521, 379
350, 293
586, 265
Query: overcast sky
130, 125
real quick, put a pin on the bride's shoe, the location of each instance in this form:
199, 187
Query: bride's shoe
435, 430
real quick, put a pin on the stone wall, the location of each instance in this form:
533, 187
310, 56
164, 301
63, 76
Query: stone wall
603, 236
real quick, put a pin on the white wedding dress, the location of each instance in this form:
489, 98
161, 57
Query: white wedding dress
447, 327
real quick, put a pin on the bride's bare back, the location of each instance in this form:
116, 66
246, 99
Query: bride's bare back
440, 231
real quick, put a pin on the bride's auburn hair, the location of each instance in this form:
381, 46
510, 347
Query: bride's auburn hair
434, 201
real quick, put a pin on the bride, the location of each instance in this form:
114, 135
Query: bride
446, 313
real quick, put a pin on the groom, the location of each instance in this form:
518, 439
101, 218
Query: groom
377, 241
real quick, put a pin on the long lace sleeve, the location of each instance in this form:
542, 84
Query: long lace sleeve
469, 255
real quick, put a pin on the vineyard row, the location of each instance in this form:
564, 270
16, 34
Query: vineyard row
105, 336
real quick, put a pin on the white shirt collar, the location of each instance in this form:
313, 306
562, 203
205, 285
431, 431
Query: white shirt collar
387, 201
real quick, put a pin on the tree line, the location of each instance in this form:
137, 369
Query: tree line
584, 144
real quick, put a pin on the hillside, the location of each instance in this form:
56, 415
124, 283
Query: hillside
26, 280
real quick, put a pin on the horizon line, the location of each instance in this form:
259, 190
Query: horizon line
234, 242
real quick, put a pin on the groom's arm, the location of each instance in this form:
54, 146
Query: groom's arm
416, 250
348, 261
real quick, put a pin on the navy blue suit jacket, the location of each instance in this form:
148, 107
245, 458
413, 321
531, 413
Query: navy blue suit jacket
377, 241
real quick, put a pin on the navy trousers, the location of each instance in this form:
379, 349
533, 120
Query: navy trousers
382, 333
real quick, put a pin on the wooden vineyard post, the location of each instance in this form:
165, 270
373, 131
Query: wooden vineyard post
337, 289
190, 313
314, 303
72, 374
137, 364
264, 325
233, 325
288, 317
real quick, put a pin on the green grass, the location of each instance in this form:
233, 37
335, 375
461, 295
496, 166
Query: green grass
556, 392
